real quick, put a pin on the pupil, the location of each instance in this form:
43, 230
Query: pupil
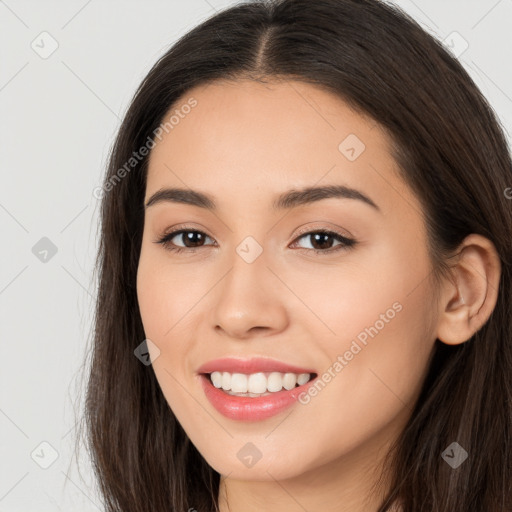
322, 237
194, 237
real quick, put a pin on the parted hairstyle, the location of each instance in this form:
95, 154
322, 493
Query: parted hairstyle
451, 151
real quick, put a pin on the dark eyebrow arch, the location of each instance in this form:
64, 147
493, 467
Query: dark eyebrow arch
286, 200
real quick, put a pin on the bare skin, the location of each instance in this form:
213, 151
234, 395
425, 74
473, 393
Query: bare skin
244, 144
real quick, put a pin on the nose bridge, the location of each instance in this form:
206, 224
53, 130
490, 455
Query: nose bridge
246, 297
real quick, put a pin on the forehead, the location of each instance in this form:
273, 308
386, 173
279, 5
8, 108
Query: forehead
248, 136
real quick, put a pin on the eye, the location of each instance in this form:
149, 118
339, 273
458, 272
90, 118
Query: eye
322, 241
190, 238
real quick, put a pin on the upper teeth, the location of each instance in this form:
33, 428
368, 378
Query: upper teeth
257, 382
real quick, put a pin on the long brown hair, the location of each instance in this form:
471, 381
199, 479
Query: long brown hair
451, 151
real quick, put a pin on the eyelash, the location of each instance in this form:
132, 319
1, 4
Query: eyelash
346, 243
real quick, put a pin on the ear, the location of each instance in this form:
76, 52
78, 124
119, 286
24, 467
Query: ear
469, 297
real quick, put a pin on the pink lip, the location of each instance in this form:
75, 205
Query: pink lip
247, 366
246, 408
251, 409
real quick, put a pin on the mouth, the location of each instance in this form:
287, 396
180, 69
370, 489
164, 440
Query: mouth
257, 384
255, 396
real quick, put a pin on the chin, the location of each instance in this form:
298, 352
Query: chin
264, 469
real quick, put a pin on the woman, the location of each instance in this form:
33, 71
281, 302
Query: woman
306, 231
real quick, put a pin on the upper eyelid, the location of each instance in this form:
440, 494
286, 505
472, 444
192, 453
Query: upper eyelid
302, 231
309, 230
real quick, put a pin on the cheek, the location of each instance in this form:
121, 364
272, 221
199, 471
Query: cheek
161, 306
169, 301
386, 344
151, 297
167, 293
374, 372
360, 289
380, 313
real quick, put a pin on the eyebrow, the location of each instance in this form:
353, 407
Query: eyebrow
286, 200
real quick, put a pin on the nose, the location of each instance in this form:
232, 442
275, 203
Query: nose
249, 301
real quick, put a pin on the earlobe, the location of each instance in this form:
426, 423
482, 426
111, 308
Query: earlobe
469, 297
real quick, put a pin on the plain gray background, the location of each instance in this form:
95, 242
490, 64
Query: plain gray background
59, 114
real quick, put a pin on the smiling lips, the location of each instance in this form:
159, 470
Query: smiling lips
252, 390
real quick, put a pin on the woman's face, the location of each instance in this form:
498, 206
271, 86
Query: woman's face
256, 278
